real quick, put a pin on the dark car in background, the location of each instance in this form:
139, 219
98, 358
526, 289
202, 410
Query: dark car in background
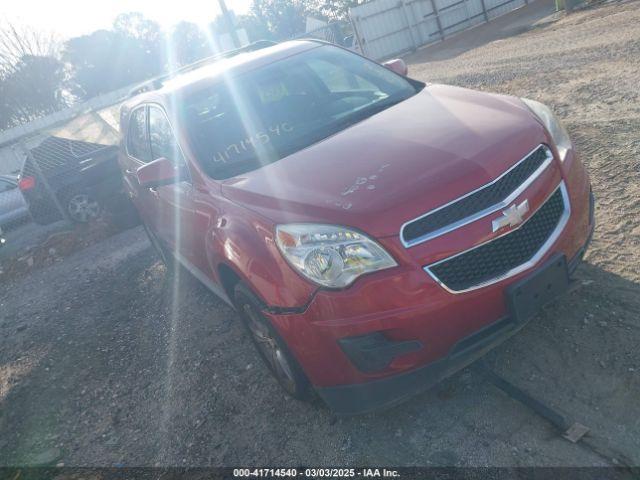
13, 208
77, 179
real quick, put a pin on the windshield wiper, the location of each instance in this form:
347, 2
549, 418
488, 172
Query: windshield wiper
337, 126
368, 112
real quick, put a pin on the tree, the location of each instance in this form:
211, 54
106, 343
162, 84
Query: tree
18, 41
284, 18
146, 37
255, 28
94, 60
32, 77
188, 44
135, 25
336, 9
287, 18
331, 9
107, 60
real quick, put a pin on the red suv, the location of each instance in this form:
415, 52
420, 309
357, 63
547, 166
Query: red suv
376, 233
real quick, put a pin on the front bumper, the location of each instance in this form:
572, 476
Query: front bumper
430, 333
384, 393
362, 398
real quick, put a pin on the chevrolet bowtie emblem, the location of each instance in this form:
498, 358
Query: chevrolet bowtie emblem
511, 217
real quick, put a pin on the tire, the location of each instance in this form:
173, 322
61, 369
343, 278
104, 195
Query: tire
272, 348
82, 206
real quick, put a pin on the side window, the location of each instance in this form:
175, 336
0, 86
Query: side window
163, 142
137, 143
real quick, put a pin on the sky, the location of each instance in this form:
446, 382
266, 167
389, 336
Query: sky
69, 18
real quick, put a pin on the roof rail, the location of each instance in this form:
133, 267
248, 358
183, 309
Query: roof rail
157, 82
153, 84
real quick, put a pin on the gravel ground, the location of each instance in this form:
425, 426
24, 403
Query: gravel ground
103, 362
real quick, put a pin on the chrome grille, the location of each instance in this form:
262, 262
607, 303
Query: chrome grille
508, 254
480, 202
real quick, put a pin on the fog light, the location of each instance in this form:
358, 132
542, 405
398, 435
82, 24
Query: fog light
374, 352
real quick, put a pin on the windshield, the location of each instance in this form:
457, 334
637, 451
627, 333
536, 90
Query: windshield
264, 115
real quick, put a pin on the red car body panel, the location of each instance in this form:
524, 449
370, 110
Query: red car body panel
405, 306
423, 152
373, 176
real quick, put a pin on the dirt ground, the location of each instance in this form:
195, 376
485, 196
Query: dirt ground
103, 363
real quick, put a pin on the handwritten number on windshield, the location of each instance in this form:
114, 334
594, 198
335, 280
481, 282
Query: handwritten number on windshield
234, 150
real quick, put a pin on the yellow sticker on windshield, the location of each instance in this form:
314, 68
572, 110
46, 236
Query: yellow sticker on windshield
273, 92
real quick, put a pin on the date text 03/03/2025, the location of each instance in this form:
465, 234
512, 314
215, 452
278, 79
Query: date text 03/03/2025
315, 472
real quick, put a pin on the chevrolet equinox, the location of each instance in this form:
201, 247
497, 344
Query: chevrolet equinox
375, 233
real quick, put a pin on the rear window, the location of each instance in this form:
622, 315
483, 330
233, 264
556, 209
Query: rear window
264, 115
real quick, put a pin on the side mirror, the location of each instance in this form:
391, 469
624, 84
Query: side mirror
158, 172
397, 65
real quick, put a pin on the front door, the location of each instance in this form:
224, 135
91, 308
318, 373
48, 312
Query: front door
175, 205
137, 153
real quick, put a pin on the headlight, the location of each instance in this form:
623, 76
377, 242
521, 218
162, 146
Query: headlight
552, 124
330, 255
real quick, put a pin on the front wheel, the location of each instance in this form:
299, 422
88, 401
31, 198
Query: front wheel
271, 347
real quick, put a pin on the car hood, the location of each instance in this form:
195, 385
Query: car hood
396, 165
